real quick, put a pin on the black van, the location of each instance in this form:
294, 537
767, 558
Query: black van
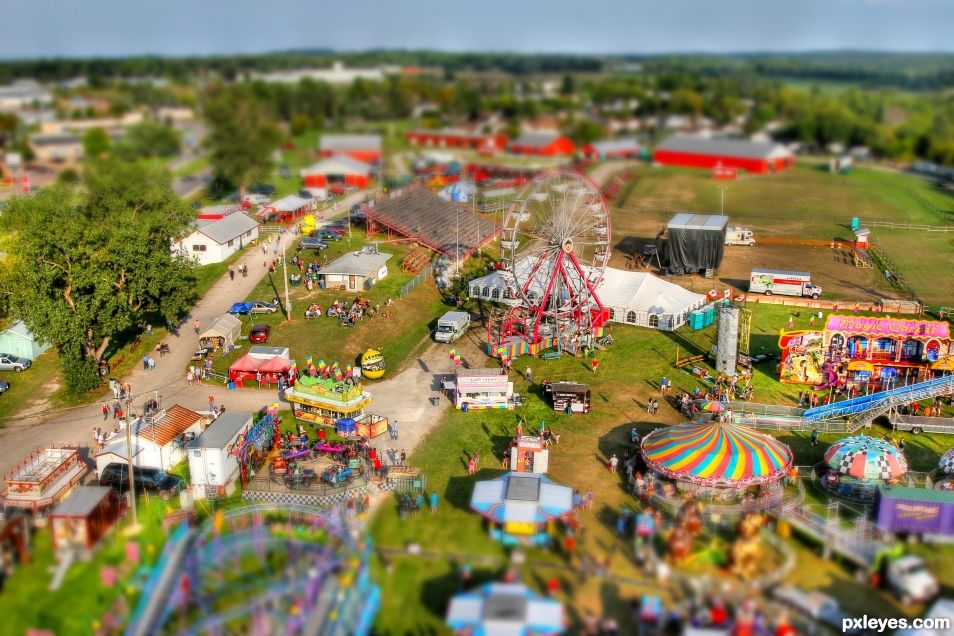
116, 475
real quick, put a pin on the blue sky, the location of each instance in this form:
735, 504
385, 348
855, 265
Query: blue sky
69, 28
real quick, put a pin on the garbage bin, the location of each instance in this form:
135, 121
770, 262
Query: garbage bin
435, 401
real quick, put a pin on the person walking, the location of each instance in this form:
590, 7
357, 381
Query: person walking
901, 446
403, 458
476, 457
434, 499
595, 364
105, 412
633, 436
231, 273
613, 462
655, 406
529, 374
649, 406
145, 363
195, 326
211, 402
814, 436
152, 363
394, 429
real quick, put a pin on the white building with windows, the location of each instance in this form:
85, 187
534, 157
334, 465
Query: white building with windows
215, 241
633, 298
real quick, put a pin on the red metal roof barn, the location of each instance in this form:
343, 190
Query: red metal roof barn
341, 169
457, 138
366, 148
542, 143
700, 152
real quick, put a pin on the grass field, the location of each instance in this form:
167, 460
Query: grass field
628, 375
396, 337
809, 203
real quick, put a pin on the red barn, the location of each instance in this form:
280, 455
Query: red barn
342, 169
457, 138
366, 148
701, 152
542, 143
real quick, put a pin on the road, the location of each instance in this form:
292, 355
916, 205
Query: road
188, 185
20, 437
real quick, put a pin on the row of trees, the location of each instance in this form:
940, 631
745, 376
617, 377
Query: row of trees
147, 139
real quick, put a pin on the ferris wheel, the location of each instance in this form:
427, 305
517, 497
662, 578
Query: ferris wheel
555, 243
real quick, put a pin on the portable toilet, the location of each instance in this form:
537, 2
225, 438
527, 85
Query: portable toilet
697, 319
709, 315
855, 223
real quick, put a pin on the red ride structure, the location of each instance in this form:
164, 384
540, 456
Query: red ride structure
555, 245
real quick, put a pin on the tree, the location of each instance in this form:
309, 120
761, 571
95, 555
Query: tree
568, 86
585, 131
242, 136
85, 265
95, 142
149, 139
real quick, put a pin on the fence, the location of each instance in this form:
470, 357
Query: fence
883, 305
408, 483
910, 226
417, 280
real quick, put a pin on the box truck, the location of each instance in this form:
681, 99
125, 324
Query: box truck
739, 236
451, 326
774, 281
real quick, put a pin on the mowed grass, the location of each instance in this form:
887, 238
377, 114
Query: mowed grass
397, 337
627, 377
810, 203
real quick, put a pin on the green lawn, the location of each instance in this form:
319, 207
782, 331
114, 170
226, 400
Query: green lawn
193, 166
811, 203
397, 337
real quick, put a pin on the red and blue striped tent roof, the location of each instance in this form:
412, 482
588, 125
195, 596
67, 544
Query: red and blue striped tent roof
716, 454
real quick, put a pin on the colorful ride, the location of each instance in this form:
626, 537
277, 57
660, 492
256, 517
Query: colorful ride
300, 477
329, 448
372, 364
280, 465
338, 475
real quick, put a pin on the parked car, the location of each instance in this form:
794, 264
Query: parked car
257, 199
4, 386
310, 243
116, 475
263, 188
305, 194
326, 235
254, 307
10, 362
259, 334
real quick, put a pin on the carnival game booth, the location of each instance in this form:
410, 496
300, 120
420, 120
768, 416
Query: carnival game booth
718, 462
520, 506
854, 467
482, 389
871, 352
529, 454
85, 516
324, 401
248, 367
43, 479
569, 397
505, 609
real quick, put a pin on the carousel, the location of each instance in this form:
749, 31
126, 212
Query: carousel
717, 462
854, 467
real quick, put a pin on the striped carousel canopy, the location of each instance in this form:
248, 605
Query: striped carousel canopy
716, 454
864, 457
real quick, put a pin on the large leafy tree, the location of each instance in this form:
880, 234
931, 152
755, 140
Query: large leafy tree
84, 266
242, 135
96, 142
149, 139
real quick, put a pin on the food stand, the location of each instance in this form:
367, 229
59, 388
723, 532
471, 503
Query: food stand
482, 389
43, 479
520, 507
529, 455
325, 401
572, 397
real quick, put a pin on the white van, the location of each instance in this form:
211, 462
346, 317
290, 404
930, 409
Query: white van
452, 326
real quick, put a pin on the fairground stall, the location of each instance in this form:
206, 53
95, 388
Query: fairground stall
482, 389
529, 454
84, 517
43, 479
505, 608
718, 462
856, 466
569, 397
869, 352
520, 507
326, 400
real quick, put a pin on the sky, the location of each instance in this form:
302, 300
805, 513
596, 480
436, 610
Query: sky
114, 28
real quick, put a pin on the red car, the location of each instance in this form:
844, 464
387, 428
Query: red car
259, 334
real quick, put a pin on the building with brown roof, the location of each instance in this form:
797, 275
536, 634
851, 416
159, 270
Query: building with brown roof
158, 441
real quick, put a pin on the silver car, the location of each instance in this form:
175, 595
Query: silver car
10, 362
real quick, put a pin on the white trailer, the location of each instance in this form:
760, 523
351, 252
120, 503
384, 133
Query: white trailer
452, 326
775, 281
739, 236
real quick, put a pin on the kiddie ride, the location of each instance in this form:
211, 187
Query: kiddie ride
337, 475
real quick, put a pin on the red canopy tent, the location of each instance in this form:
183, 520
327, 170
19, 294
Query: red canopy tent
245, 368
274, 367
